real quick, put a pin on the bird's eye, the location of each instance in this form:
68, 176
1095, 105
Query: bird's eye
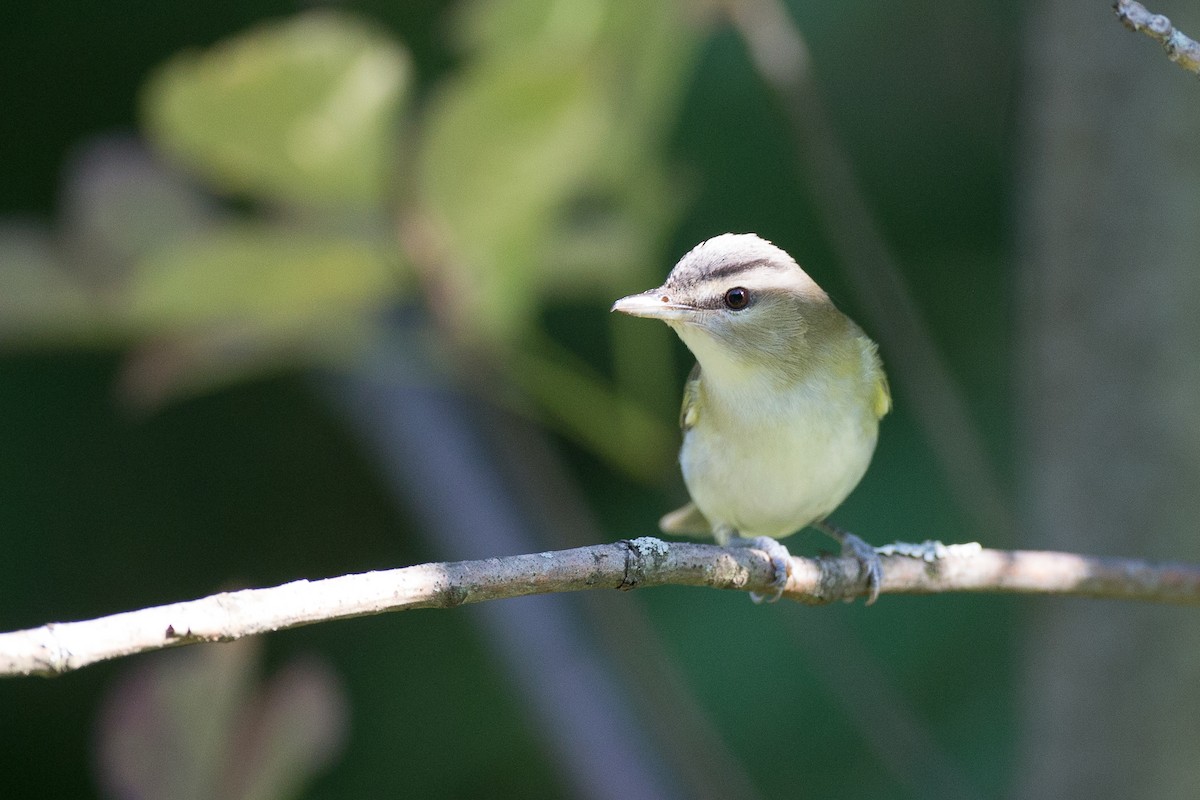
737, 298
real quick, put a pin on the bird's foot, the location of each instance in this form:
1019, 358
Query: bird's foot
781, 561
866, 556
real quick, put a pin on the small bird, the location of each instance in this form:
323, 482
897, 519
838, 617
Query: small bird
781, 412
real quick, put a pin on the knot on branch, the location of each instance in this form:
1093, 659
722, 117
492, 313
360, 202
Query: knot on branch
642, 555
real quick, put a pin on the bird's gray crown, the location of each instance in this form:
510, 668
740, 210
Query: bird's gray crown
727, 256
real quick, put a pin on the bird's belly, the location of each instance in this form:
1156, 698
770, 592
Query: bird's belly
771, 480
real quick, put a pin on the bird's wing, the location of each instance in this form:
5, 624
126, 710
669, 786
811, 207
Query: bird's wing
686, 521
881, 401
883, 396
690, 411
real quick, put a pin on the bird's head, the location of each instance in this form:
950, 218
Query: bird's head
739, 302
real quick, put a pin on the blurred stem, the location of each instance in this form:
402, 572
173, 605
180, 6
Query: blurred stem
668, 707
431, 450
881, 712
781, 57
585, 407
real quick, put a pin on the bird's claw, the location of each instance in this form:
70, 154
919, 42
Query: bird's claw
868, 563
781, 561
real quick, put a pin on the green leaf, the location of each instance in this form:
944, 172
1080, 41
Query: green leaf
194, 724
503, 144
540, 164
303, 110
269, 277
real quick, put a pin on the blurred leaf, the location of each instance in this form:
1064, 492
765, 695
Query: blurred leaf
165, 726
172, 367
118, 205
510, 26
242, 300
189, 725
502, 147
273, 277
148, 256
542, 168
296, 728
541, 162
39, 301
302, 110
608, 240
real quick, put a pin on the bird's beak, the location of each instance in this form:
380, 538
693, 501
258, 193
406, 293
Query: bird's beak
654, 304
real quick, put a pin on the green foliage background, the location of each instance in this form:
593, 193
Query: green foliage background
517, 167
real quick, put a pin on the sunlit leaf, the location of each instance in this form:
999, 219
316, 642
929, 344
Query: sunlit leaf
301, 110
541, 162
542, 170
644, 49
505, 149
502, 145
514, 26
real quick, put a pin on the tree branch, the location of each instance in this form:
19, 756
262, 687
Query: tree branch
58, 648
1181, 49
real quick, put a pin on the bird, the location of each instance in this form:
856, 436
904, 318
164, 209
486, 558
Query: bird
781, 412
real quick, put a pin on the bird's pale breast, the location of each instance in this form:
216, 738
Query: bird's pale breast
768, 463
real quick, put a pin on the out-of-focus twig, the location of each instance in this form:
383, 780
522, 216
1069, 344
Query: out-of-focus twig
428, 442
1181, 49
688, 738
884, 714
58, 648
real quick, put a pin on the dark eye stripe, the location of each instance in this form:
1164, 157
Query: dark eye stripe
735, 268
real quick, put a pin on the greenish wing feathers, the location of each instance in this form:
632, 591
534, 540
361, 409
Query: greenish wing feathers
882, 401
883, 396
688, 520
690, 410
